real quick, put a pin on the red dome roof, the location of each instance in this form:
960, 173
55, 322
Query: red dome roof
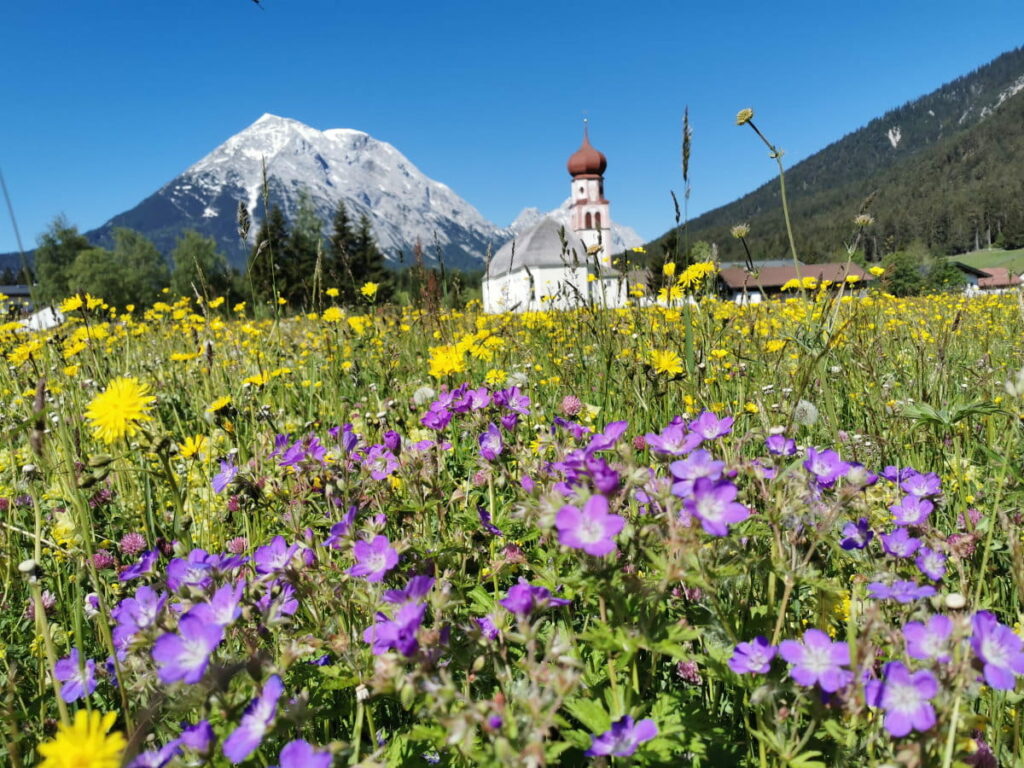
586, 161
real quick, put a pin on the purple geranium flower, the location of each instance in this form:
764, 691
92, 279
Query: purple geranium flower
753, 658
157, 758
780, 445
895, 474
398, 633
228, 472
514, 400
714, 504
856, 535
341, 528
256, 721
905, 697
417, 588
622, 738
485, 522
930, 640
193, 571
931, 563
198, 737
379, 462
524, 598
223, 608
687, 471
491, 444
912, 510
185, 655
79, 679
999, 649
144, 565
436, 420
487, 627
826, 466
675, 440
602, 441
591, 529
901, 591
301, 754
374, 558
278, 601
817, 660
922, 485
708, 426
393, 442
899, 543
275, 556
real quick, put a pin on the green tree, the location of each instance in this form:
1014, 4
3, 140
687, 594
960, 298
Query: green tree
368, 262
57, 250
267, 254
198, 267
302, 251
943, 276
903, 272
133, 272
338, 265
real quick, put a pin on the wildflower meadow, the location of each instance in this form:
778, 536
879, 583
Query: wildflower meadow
689, 533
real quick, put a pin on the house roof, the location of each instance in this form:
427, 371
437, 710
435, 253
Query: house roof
539, 246
971, 270
769, 278
998, 277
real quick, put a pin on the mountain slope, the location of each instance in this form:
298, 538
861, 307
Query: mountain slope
940, 169
405, 207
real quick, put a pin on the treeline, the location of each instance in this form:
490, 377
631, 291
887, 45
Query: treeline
291, 264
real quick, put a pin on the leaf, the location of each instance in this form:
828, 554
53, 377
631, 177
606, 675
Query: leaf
807, 760
590, 713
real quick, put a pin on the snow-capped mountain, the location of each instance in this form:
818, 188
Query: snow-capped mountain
405, 207
623, 237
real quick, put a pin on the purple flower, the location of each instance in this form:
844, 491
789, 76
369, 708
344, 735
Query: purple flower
490, 443
931, 640
753, 658
185, 656
380, 462
157, 758
686, 471
487, 627
485, 521
398, 633
436, 420
931, 563
899, 543
605, 440
591, 529
708, 426
999, 649
275, 556
278, 601
604, 478
817, 660
417, 588
901, 591
393, 442
674, 440
905, 697
198, 737
194, 571
301, 754
922, 485
374, 558
79, 679
513, 400
895, 474
826, 466
856, 535
223, 608
913, 510
780, 445
524, 598
341, 528
145, 565
622, 738
714, 504
258, 716
228, 472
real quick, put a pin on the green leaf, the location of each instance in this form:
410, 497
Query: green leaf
591, 713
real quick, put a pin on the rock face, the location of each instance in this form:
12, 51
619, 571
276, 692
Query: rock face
405, 207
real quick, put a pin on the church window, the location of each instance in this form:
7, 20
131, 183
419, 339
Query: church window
597, 220
588, 222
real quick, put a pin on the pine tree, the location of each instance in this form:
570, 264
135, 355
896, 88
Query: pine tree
265, 259
338, 266
368, 262
301, 252
198, 267
58, 248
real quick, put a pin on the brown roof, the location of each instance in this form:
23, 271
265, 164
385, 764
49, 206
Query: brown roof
999, 277
769, 278
586, 161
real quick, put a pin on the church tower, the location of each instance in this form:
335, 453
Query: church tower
588, 212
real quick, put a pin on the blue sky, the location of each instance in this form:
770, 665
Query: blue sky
104, 102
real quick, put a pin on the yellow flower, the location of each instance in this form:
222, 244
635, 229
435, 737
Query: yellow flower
282, 300
85, 744
591, 278
332, 292
218, 404
774, 345
116, 411
639, 249
181, 357
257, 379
666, 361
445, 360
744, 116
369, 290
70, 371
359, 323
193, 446
668, 269
495, 377
71, 303
333, 315
877, 271
216, 302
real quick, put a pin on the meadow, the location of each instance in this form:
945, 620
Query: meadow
786, 534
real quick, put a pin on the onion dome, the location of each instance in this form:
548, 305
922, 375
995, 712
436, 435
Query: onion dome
586, 161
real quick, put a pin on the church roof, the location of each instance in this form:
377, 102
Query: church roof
539, 246
586, 161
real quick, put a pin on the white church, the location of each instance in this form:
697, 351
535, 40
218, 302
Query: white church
554, 266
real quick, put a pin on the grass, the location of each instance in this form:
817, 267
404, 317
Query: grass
1013, 260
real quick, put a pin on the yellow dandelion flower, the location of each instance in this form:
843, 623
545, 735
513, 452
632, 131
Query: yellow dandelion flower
85, 744
193, 446
115, 412
877, 271
257, 379
668, 269
216, 302
332, 292
71, 303
666, 361
369, 290
218, 404
495, 377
